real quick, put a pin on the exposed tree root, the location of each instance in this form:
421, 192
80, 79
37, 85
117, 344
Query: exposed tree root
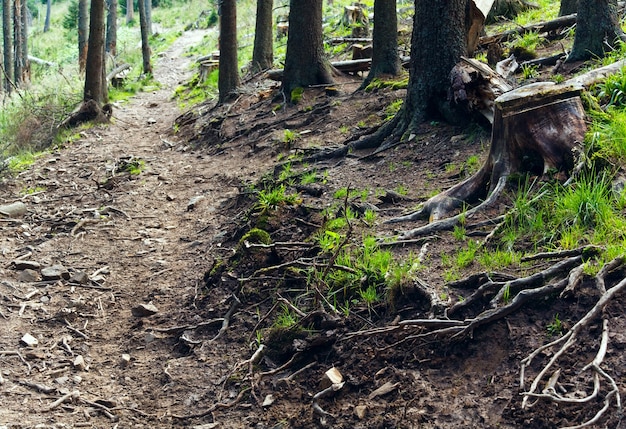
566, 342
88, 111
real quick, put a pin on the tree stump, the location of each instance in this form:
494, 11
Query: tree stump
536, 128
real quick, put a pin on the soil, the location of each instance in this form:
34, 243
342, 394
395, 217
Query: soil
160, 309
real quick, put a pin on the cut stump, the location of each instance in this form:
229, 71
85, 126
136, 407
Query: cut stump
536, 128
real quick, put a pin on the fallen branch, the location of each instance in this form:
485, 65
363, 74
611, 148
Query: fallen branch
213, 408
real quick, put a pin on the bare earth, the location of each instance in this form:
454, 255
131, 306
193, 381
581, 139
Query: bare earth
141, 244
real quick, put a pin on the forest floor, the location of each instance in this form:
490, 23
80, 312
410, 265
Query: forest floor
114, 287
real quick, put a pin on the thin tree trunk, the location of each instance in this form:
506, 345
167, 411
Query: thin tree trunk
24, 37
95, 84
385, 58
17, 38
148, 4
111, 32
228, 79
145, 43
129, 11
263, 51
7, 33
83, 31
46, 25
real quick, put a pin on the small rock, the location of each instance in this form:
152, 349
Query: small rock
151, 121
193, 202
149, 337
360, 411
77, 379
29, 340
26, 265
269, 400
14, 210
125, 360
170, 197
79, 277
79, 363
28, 276
62, 380
55, 272
144, 310
332, 376
206, 426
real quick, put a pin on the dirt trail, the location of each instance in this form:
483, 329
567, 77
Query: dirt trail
137, 237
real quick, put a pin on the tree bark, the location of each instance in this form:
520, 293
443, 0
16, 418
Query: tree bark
111, 31
24, 41
46, 25
83, 32
95, 82
228, 79
148, 5
7, 35
145, 43
263, 51
17, 38
385, 57
129, 12
305, 61
568, 7
597, 29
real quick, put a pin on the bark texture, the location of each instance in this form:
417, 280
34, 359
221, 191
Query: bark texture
228, 79
129, 11
145, 35
111, 32
17, 42
263, 51
46, 25
95, 82
385, 57
7, 26
597, 29
568, 7
83, 32
305, 61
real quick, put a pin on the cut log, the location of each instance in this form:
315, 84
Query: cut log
40, 61
536, 127
544, 27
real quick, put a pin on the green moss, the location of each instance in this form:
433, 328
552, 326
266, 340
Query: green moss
256, 235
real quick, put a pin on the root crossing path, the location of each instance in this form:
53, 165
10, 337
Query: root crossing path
111, 245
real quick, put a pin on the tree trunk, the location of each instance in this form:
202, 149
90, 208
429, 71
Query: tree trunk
17, 38
129, 12
145, 43
385, 57
83, 32
228, 79
95, 83
568, 7
7, 35
597, 29
46, 25
536, 127
263, 51
111, 31
24, 42
305, 61
148, 5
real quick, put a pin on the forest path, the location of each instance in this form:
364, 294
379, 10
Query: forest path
138, 239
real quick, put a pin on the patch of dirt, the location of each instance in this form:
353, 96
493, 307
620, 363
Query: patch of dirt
164, 292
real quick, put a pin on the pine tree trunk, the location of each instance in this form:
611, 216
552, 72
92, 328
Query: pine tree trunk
17, 38
597, 29
148, 5
568, 7
228, 79
145, 43
24, 42
263, 51
46, 25
7, 35
129, 11
111, 31
83, 31
95, 84
305, 60
385, 58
